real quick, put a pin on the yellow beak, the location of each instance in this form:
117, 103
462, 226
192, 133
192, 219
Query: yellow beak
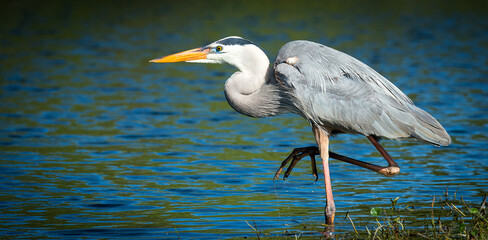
189, 55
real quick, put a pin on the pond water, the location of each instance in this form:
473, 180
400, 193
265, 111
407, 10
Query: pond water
96, 142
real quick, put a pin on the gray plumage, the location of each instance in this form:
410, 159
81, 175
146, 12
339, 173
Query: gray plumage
329, 88
339, 92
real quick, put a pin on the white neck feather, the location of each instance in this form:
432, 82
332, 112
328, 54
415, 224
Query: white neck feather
246, 90
253, 64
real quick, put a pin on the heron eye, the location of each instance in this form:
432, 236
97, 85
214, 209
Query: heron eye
218, 48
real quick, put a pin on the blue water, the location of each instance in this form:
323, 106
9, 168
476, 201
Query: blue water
98, 143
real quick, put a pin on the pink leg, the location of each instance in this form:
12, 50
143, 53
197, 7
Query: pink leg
322, 138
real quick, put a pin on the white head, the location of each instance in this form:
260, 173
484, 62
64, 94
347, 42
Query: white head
237, 51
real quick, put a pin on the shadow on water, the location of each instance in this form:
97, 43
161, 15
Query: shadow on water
96, 142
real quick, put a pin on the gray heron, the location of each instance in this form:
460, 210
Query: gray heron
333, 91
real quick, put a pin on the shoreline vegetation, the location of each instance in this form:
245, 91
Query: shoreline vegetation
445, 217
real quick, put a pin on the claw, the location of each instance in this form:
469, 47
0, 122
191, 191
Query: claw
314, 167
295, 156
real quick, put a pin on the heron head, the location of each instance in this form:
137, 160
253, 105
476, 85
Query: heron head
233, 50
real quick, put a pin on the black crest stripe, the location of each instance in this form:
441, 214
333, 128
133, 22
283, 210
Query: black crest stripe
234, 41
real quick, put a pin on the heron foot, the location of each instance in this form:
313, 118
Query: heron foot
295, 156
389, 171
329, 217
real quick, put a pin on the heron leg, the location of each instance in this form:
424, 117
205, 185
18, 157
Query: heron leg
298, 153
387, 171
391, 170
322, 138
295, 156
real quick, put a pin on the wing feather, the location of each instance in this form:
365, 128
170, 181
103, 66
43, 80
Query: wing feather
339, 92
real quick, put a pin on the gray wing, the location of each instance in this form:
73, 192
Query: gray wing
338, 92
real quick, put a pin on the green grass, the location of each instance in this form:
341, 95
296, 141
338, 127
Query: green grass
444, 217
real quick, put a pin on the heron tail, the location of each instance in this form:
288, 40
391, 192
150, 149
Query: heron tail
428, 129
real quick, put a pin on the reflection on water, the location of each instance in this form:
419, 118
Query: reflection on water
96, 142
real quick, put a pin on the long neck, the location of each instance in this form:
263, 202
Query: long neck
250, 92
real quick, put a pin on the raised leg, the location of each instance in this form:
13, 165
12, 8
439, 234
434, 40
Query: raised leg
298, 153
393, 168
